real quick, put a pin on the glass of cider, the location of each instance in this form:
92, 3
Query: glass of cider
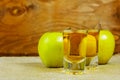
92, 49
74, 51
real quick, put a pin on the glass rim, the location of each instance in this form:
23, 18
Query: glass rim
75, 31
93, 30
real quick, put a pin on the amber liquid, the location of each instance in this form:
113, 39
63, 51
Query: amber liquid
95, 34
72, 41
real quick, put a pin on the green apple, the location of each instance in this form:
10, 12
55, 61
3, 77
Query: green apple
50, 49
106, 45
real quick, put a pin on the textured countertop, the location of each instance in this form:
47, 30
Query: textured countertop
31, 68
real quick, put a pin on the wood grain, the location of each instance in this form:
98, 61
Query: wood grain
22, 22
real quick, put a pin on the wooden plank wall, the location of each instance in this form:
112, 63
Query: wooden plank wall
22, 22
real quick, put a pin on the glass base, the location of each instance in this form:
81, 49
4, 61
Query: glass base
74, 68
92, 63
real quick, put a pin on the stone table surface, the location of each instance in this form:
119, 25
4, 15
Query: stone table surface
31, 68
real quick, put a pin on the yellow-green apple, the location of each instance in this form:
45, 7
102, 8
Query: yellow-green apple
106, 45
50, 49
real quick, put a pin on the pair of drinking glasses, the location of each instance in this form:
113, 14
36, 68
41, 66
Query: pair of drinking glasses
80, 49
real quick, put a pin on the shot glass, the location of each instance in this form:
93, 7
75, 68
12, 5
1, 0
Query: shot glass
74, 51
91, 53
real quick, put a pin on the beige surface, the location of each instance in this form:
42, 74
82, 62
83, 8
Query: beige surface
31, 68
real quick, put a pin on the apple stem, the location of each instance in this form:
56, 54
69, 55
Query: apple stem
98, 26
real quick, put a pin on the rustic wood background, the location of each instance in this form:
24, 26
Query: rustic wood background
22, 22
